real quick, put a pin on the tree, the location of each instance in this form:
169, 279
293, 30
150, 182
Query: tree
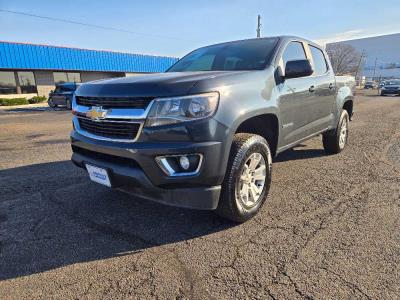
345, 59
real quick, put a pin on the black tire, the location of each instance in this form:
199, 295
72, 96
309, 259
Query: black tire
68, 104
382, 94
51, 103
243, 146
331, 139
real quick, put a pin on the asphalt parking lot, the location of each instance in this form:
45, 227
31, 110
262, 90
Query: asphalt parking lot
329, 230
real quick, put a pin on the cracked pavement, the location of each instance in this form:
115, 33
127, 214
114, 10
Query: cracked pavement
329, 229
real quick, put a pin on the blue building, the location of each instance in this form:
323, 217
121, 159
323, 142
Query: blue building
27, 69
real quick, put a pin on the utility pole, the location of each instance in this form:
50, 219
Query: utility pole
379, 84
373, 76
358, 67
259, 26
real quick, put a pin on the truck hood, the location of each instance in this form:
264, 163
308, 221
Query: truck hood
60, 93
151, 85
391, 87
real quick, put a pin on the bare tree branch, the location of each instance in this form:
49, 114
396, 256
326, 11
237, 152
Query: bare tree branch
344, 58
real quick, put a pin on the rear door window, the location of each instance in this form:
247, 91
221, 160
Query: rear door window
320, 66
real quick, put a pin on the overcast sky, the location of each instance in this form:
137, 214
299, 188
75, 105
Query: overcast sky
173, 28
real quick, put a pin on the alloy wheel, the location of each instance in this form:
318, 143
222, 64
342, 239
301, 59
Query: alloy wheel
343, 133
252, 180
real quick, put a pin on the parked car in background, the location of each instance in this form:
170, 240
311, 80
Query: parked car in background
370, 85
203, 134
62, 95
391, 87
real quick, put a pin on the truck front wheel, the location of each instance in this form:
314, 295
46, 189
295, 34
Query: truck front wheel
335, 140
51, 103
68, 104
247, 179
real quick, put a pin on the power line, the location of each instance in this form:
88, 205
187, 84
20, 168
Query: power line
93, 25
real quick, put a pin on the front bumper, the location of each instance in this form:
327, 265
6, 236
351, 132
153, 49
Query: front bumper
390, 92
132, 168
57, 100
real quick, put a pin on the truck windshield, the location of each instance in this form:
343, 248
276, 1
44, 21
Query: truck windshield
65, 88
234, 56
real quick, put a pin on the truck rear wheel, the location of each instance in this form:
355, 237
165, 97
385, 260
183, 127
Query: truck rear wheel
335, 140
247, 179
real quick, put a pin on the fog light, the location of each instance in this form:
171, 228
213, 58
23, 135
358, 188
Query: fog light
184, 162
180, 165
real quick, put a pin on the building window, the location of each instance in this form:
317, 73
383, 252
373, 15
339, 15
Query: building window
63, 77
7, 83
74, 77
60, 77
27, 82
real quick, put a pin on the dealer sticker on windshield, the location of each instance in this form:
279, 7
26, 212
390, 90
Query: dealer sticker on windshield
98, 175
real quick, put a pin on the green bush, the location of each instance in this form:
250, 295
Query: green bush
13, 101
22, 101
37, 99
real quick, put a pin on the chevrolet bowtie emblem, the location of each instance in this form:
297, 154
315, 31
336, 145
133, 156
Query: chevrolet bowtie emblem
97, 113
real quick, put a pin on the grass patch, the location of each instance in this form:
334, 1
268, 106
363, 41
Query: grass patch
13, 101
22, 101
37, 99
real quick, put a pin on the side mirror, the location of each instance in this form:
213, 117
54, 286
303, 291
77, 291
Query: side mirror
298, 68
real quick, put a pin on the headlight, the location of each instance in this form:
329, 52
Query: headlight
174, 110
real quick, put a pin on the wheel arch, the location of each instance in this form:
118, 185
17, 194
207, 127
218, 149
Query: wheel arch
265, 125
348, 106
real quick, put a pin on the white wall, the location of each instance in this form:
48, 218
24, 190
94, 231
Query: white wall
44, 82
134, 74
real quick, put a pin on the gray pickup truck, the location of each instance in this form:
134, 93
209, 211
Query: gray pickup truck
202, 135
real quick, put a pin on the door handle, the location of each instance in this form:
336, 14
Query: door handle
331, 86
311, 89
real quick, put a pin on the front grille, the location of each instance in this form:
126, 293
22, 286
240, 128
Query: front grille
109, 129
114, 102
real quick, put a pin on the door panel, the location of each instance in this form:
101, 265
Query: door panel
295, 99
324, 96
295, 103
325, 90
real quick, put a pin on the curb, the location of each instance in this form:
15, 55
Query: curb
36, 105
